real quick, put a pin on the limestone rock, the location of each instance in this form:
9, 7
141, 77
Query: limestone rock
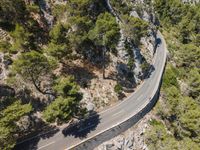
90, 106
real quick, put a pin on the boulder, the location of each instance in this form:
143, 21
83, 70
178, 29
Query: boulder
24, 123
109, 146
134, 14
90, 106
129, 142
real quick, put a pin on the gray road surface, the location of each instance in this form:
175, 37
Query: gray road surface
107, 119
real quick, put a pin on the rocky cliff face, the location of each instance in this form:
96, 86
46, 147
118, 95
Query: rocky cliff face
133, 138
45, 8
2, 68
146, 13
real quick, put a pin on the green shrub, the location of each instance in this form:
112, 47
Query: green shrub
170, 78
58, 10
130, 62
118, 88
5, 46
33, 8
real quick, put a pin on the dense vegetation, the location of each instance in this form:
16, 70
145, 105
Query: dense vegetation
179, 127
85, 29
66, 105
35, 52
11, 111
134, 26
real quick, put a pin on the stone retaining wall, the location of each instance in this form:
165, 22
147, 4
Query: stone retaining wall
93, 142
111, 133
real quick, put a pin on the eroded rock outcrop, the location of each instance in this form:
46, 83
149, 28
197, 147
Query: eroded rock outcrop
45, 8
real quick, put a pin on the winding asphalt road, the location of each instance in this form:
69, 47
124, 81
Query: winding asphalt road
109, 118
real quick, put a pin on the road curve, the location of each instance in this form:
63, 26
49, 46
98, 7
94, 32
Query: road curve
109, 118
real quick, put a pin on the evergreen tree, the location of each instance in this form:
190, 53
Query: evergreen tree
21, 38
34, 67
67, 104
105, 34
134, 29
8, 127
12, 11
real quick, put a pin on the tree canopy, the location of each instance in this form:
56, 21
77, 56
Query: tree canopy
106, 31
180, 88
60, 109
12, 10
8, 119
21, 37
135, 29
67, 103
34, 67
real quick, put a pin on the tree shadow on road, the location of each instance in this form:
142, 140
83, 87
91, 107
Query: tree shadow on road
32, 142
151, 69
158, 43
82, 128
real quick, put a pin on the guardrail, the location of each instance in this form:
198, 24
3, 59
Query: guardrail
94, 141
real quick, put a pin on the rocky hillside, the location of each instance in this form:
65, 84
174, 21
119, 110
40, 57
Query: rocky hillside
126, 63
63, 60
174, 122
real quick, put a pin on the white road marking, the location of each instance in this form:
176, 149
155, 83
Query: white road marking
140, 96
36, 136
118, 113
46, 145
